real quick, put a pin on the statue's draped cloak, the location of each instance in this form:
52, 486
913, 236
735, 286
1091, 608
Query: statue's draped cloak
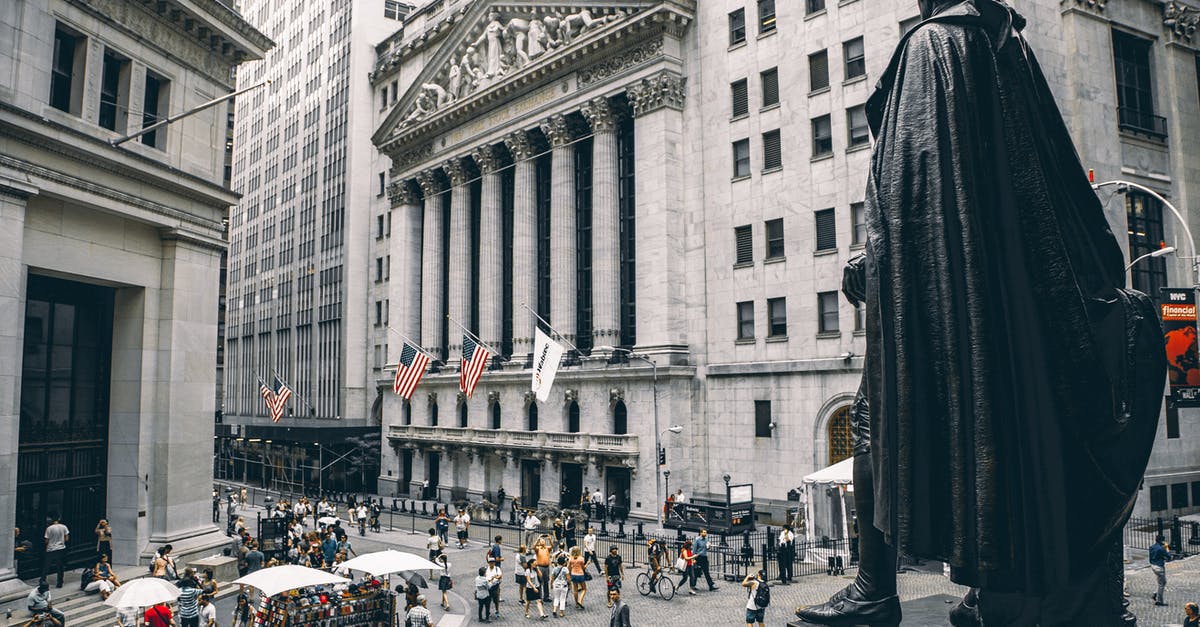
1003, 441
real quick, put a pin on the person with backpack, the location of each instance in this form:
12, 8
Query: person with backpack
758, 597
483, 596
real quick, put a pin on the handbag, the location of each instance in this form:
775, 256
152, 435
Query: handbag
680, 563
587, 575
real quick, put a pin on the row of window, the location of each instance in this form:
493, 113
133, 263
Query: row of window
769, 82
858, 134
826, 229
620, 416
1179, 496
827, 317
766, 22
67, 77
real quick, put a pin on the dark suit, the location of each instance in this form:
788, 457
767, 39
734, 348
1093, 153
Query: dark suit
620, 615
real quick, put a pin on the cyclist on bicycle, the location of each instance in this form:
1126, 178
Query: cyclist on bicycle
656, 555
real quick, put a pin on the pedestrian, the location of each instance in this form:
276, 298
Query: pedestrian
531, 525
700, 547
104, 539
483, 596
786, 554
39, 601
462, 525
495, 576
557, 529
501, 496
614, 571
686, 564
577, 567
541, 556
56, 537
159, 616
445, 582
443, 526
412, 594
522, 558
558, 587
1191, 613
188, 602
435, 546
243, 495
620, 611
589, 550
208, 612
242, 611
344, 546
216, 503
1160, 554
376, 511
754, 613
494, 553
533, 589
129, 616
418, 615
570, 527
254, 558
612, 508
208, 585
164, 564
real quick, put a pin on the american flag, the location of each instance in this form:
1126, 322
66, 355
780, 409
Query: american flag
281, 394
475, 358
409, 371
267, 393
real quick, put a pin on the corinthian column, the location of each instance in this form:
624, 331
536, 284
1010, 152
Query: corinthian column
491, 248
606, 257
405, 287
460, 254
562, 226
524, 284
432, 306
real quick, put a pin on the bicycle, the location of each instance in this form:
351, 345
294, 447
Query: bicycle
665, 586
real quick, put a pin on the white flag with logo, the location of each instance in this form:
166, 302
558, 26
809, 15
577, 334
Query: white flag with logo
546, 356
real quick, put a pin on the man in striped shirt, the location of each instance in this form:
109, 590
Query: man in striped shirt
189, 607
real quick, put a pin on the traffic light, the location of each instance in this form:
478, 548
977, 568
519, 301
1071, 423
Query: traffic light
662, 456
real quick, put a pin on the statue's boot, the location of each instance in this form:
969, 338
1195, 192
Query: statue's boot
871, 599
966, 613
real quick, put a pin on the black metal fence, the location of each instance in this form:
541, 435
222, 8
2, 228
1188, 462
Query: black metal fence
1183, 537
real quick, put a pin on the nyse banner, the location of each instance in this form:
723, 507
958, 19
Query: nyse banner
1183, 357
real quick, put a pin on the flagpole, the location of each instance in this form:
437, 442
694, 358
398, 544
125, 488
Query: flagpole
473, 336
413, 343
551, 327
297, 394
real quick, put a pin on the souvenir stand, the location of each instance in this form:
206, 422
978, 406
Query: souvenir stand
296, 595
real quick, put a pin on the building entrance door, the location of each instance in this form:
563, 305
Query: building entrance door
62, 455
616, 482
406, 474
434, 470
572, 486
531, 483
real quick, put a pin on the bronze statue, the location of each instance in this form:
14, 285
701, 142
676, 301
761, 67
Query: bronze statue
1012, 385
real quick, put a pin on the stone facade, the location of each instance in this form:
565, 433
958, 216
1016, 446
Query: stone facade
674, 68
143, 221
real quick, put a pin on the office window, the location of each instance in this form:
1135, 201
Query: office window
772, 150
762, 419
495, 416
826, 230
856, 124
1179, 495
66, 72
378, 312
383, 98
114, 92
382, 185
774, 229
741, 98
1135, 97
744, 244
1143, 215
827, 312
395, 91
378, 269
737, 27
154, 108
392, 10
378, 227
741, 158
1158, 498
856, 63
813, 6
776, 317
745, 314
766, 16
858, 216
822, 136
818, 70
860, 317
770, 87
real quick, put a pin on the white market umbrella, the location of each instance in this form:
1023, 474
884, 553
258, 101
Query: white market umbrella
328, 520
143, 592
271, 581
388, 562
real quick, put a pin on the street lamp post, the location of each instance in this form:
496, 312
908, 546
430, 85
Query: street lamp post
658, 436
1123, 186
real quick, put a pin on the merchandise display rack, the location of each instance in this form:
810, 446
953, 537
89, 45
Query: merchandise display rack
365, 604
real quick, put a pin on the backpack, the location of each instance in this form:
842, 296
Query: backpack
762, 595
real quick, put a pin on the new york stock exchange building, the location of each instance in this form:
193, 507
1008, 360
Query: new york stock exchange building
582, 162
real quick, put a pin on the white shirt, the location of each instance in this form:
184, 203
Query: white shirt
208, 613
434, 543
56, 537
493, 574
786, 536
532, 522
750, 597
589, 543
597, 497
681, 498
362, 511
461, 521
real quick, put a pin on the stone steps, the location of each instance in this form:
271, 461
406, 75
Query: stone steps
88, 609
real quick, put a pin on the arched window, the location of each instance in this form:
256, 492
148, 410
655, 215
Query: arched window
531, 422
408, 412
573, 417
620, 419
462, 416
495, 415
433, 415
841, 442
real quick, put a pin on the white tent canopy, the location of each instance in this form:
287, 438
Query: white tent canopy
271, 581
143, 592
841, 473
387, 562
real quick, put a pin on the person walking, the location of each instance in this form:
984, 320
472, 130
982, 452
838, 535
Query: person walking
255, 558
614, 572
241, 611
445, 581
435, 546
522, 559
189, 602
754, 613
418, 615
686, 564
589, 550
533, 589
159, 616
462, 525
442, 523
208, 612
362, 514
495, 576
483, 596
620, 611
786, 554
104, 539
56, 537
1160, 554
700, 547
558, 587
577, 568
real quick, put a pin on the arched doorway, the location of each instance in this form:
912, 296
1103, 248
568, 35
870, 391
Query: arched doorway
838, 435
462, 416
620, 419
532, 417
495, 415
573, 417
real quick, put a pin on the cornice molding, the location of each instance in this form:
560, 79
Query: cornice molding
1094, 6
667, 89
